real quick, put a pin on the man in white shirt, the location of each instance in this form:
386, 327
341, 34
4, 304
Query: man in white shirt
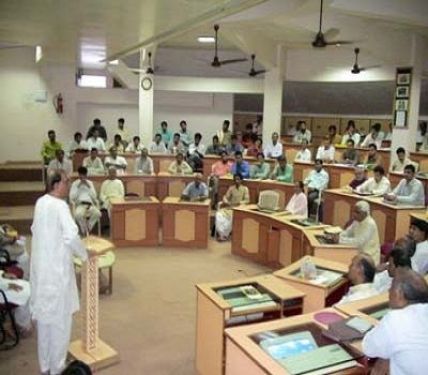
135, 146
196, 153
401, 161
317, 182
124, 135
60, 163
376, 185
95, 141
110, 189
351, 133
76, 144
157, 146
298, 203
83, 197
362, 232
410, 191
302, 133
304, 154
402, 335
54, 298
418, 231
94, 164
326, 151
374, 137
115, 161
361, 274
274, 149
176, 146
144, 164
185, 135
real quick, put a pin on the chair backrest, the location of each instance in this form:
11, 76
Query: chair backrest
268, 200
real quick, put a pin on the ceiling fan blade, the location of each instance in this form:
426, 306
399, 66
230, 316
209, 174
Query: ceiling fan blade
254, 73
339, 42
232, 61
370, 67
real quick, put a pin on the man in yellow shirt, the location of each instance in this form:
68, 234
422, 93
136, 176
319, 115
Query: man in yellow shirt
50, 147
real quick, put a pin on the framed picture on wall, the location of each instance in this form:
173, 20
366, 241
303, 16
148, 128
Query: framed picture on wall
403, 79
401, 105
400, 119
402, 92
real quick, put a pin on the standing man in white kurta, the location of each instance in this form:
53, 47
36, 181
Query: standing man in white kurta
54, 296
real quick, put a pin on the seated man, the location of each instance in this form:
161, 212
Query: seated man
196, 153
50, 147
374, 137
234, 146
135, 146
361, 275
418, 231
144, 164
398, 258
334, 136
215, 148
179, 166
283, 171
95, 141
218, 169
273, 149
255, 148
94, 164
83, 197
402, 335
76, 144
399, 164
236, 195
350, 156
114, 161
117, 144
157, 146
363, 232
360, 178
60, 163
261, 170
176, 146
165, 133
317, 182
376, 185
240, 166
110, 189
298, 203
326, 151
409, 191
373, 158
18, 293
16, 247
196, 190
304, 154
185, 135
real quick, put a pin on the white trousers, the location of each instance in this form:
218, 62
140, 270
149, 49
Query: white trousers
52, 345
86, 216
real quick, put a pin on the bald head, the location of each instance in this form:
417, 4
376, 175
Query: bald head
408, 287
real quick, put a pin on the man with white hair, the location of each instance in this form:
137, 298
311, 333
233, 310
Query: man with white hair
362, 232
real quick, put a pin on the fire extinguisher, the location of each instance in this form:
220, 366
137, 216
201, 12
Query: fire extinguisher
58, 103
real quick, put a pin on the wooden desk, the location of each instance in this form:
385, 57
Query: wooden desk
169, 185
301, 170
269, 239
317, 296
420, 157
214, 314
392, 220
284, 189
135, 222
420, 216
143, 185
185, 224
337, 252
161, 162
245, 356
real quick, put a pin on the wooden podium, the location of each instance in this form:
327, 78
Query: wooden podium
90, 348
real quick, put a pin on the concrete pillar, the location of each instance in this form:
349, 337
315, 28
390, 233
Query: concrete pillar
145, 100
406, 137
272, 100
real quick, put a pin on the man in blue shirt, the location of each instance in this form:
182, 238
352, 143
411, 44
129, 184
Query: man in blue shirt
196, 190
240, 166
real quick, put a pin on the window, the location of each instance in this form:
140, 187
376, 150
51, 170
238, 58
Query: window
86, 80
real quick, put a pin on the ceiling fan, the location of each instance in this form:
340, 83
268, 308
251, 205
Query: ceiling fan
356, 69
320, 39
253, 72
216, 63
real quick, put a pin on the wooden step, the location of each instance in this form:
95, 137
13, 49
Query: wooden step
19, 217
20, 193
26, 171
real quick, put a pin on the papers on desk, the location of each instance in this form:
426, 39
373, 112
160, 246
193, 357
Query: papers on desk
246, 298
300, 354
323, 277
